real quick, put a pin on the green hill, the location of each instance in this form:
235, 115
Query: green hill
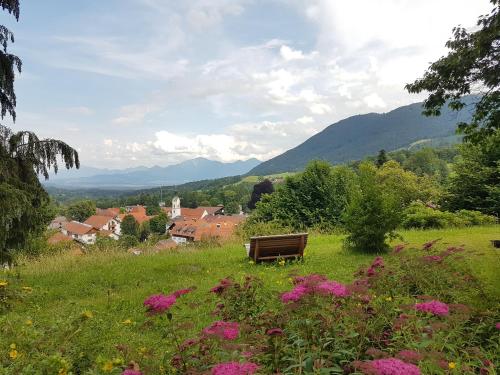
359, 136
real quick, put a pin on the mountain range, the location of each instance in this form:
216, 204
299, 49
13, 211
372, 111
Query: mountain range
141, 177
359, 136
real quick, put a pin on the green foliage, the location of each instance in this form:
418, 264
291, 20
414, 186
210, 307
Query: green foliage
81, 211
127, 241
406, 186
152, 210
232, 208
427, 162
470, 66
263, 187
475, 183
381, 158
372, 215
418, 215
144, 231
130, 226
317, 196
158, 224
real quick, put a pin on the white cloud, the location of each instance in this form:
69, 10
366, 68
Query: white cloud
289, 54
374, 101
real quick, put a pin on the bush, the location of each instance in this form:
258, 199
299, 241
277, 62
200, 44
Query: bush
372, 216
261, 228
420, 216
127, 241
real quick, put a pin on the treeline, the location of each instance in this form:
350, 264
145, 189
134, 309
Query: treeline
372, 198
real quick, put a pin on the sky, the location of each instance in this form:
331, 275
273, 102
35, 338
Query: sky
154, 82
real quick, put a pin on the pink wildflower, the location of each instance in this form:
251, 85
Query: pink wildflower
158, 303
295, 294
410, 356
222, 286
274, 332
333, 288
433, 307
224, 330
309, 280
399, 248
181, 292
389, 366
497, 326
378, 262
131, 372
433, 258
235, 368
429, 244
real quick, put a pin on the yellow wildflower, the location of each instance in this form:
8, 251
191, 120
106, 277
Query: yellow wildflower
127, 321
117, 361
87, 314
142, 350
108, 366
3, 283
250, 262
452, 365
27, 289
62, 371
388, 299
13, 354
282, 262
28, 322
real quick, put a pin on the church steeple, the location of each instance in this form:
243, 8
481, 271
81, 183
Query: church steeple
176, 207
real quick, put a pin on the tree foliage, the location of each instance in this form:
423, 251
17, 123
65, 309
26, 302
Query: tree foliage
263, 187
381, 158
24, 204
316, 197
475, 183
471, 66
130, 226
81, 210
158, 224
373, 214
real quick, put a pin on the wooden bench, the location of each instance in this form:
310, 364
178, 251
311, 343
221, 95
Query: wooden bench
279, 246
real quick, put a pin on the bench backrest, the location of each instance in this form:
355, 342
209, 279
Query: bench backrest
272, 247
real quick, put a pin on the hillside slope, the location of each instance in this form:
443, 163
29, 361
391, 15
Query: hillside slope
359, 136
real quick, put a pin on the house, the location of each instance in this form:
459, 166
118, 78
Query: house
58, 222
105, 223
80, 232
191, 213
111, 212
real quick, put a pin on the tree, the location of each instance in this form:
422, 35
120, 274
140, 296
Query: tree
381, 158
24, 204
264, 187
373, 214
427, 162
471, 66
130, 226
81, 211
232, 208
475, 183
158, 224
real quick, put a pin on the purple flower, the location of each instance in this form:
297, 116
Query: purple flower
235, 368
387, 366
433, 307
398, 248
131, 372
410, 356
224, 330
159, 303
333, 288
295, 294
181, 292
497, 326
274, 332
222, 286
433, 258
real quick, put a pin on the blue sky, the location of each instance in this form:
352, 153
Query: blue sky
155, 82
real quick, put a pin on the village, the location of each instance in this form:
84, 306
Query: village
184, 225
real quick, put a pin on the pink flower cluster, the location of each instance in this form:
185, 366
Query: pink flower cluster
497, 326
428, 245
433, 259
222, 286
410, 356
131, 372
224, 330
158, 303
378, 262
434, 307
314, 284
398, 248
387, 366
235, 368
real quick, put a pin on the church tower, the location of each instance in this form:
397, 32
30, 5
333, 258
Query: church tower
176, 207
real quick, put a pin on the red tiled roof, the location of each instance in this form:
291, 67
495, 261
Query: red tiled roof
139, 217
210, 226
74, 227
98, 221
111, 212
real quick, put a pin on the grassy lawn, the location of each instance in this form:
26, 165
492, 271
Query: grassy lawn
113, 286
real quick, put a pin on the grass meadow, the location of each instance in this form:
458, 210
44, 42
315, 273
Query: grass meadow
88, 308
